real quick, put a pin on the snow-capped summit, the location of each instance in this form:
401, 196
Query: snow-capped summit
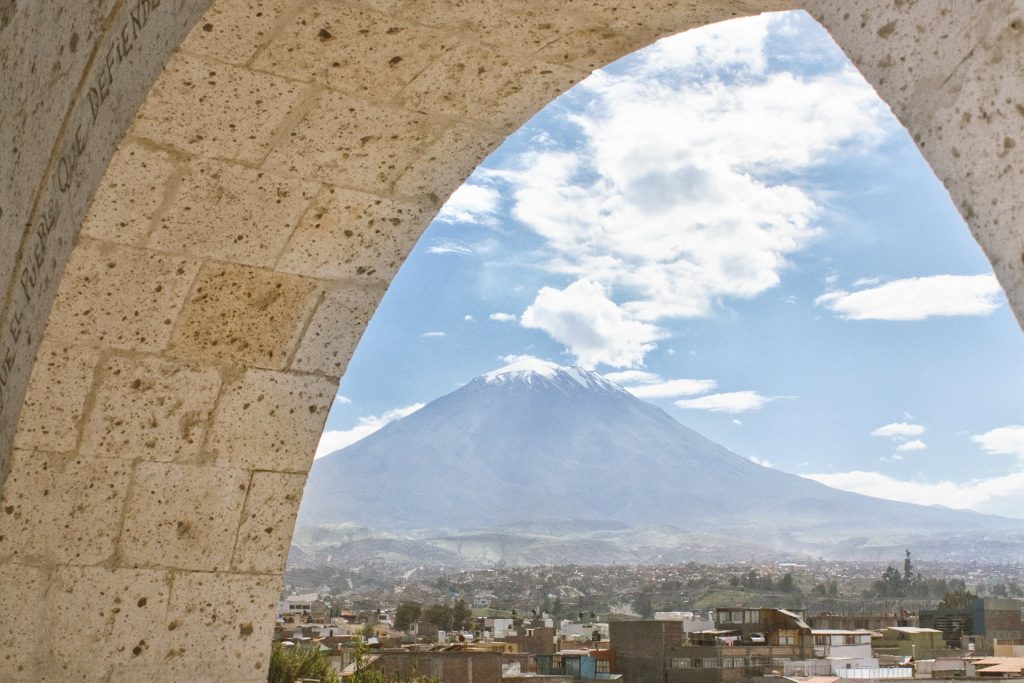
524, 368
527, 369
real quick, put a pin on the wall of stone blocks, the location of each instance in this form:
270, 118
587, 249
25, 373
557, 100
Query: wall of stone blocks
211, 277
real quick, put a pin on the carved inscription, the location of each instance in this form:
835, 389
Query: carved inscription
44, 251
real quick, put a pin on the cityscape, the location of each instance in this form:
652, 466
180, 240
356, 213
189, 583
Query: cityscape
689, 622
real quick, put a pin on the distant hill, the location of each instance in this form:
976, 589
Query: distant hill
536, 450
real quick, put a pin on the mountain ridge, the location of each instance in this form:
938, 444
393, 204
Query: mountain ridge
536, 441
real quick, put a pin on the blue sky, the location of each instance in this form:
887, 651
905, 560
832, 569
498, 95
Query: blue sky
732, 225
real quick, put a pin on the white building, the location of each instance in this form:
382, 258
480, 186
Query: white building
838, 652
691, 622
582, 630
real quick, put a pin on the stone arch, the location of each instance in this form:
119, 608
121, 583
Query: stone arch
272, 182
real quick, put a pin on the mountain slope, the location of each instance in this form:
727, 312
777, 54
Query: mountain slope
535, 441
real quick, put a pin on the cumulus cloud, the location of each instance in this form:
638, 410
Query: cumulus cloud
343, 400
915, 445
333, 440
1002, 441
1000, 495
728, 402
471, 203
899, 429
685, 189
469, 318
918, 298
592, 327
503, 317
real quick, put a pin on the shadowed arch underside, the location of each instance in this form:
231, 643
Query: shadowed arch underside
202, 206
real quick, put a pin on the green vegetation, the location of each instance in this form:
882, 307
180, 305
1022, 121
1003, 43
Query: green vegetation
956, 599
911, 584
406, 614
291, 663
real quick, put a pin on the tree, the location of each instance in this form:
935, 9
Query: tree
461, 614
406, 614
439, 615
289, 664
956, 599
643, 606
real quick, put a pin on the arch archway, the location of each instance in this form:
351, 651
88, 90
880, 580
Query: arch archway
204, 315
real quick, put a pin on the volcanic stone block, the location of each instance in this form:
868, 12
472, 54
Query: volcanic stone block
233, 30
216, 110
61, 380
353, 50
267, 522
270, 421
232, 213
353, 234
219, 620
352, 143
472, 79
151, 409
62, 509
244, 315
440, 168
113, 615
183, 516
336, 328
135, 186
120, 297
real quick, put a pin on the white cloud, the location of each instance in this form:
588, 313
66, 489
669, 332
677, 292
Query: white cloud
632, 377
999, 495
673, 387
434, 334
503, 317
643, 384
915, 445
757, 461
343, 400
728, 402
866, 281
918, 298
469, 318
450, 248
333, 440
514, 358
1002, 441
675, 199
593, 328
471, 203
898, 430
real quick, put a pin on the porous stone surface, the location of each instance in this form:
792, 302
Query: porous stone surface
264, 191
